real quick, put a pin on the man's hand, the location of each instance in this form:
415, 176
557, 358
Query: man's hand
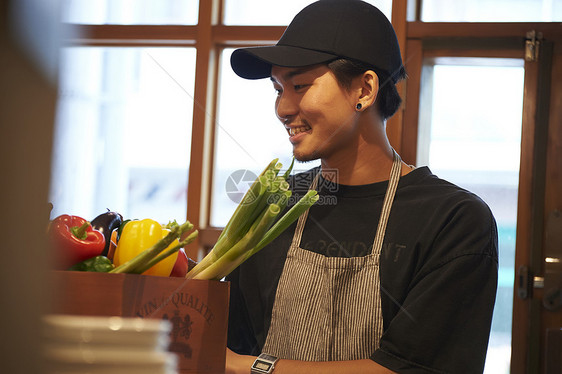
241, 364
238, 364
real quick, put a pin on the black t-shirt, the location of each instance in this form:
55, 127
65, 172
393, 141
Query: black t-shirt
438, 269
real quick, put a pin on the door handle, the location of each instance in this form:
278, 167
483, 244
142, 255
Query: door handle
523, 283
526, 282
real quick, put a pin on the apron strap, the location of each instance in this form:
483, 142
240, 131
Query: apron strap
302, 219
385, 213
387, 204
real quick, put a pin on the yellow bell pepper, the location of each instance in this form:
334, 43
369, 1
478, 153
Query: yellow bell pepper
138, 236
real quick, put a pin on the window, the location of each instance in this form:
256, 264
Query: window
123, 132
272, 12
491, 11
472, 137
126, 12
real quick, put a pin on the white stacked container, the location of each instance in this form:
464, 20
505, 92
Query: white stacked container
108, 345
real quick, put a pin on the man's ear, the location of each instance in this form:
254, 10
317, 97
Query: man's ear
369, 84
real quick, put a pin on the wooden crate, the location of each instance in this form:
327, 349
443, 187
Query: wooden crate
197, 309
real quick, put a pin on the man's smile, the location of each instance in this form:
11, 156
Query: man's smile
297, 129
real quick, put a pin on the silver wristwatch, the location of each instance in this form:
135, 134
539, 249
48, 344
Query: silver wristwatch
264, 364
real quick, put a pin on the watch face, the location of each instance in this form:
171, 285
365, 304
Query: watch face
262, 365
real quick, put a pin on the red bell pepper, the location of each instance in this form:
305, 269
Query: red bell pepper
183, 265
74, 240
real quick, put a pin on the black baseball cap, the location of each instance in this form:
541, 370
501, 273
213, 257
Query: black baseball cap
324, 31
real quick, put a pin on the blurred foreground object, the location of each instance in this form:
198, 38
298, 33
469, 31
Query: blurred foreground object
27, 111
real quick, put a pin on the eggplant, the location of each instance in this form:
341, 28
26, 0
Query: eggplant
106, 223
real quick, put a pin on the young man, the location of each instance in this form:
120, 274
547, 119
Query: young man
394, 269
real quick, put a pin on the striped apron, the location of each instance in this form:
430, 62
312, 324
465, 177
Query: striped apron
329, 308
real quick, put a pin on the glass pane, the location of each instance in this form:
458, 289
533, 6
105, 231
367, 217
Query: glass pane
274, 12
473, 139
491, 10
123, 132
131, 12
248, 137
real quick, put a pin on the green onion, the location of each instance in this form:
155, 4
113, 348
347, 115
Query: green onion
255, 190
247, 211
255, 223
235, 255
249, 208
168, 252
288, 218
288, 172
239, 223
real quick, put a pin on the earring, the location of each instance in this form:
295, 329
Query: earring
358, 106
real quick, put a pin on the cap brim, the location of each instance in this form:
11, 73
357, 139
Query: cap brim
256, 62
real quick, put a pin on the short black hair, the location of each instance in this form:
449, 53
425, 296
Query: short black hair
388, 99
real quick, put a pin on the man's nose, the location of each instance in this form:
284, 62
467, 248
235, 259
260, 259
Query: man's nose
286, 107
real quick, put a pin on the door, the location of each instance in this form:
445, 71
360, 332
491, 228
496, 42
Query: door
537, 345
485, 112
